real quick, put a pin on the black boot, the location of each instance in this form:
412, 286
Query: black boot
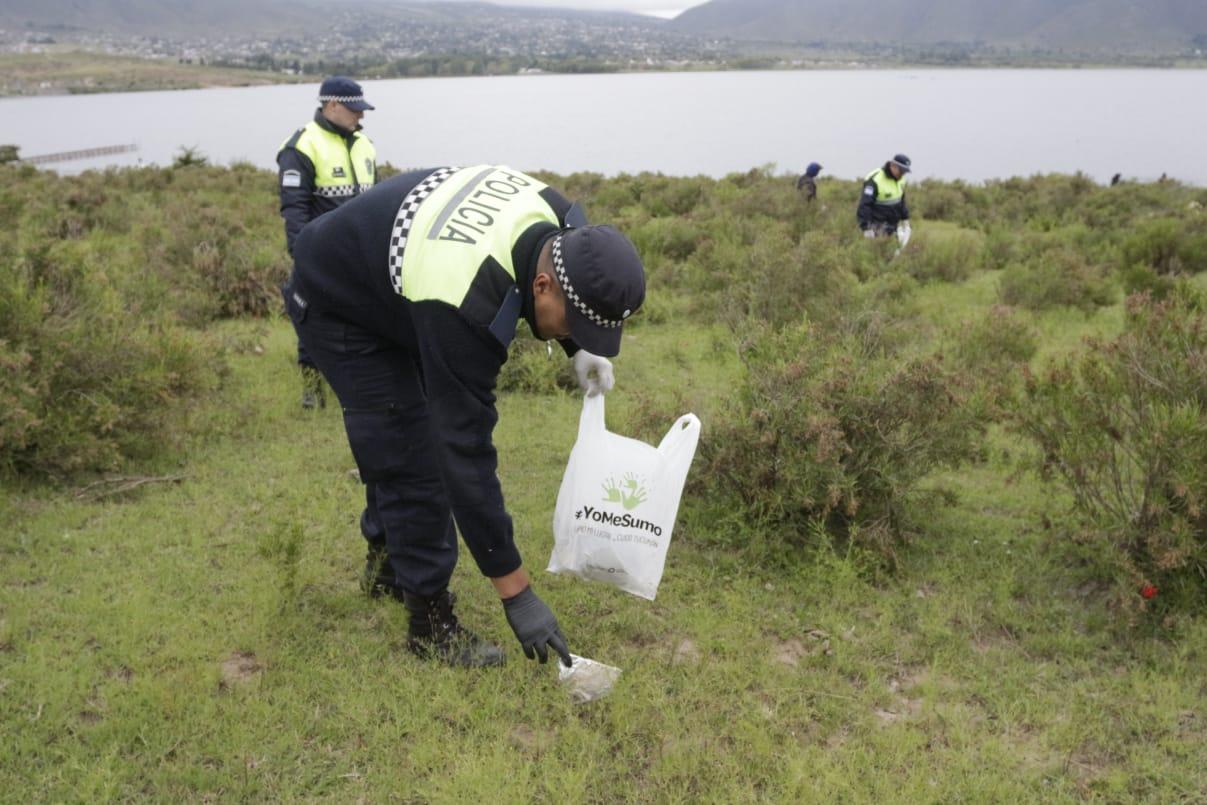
435, 634
378, 578
314, 395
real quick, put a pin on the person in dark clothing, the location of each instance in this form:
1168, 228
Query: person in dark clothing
882, 207
408, 298
325, 163
808, 181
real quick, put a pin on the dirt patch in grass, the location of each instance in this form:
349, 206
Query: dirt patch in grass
527, 740
685, 653
238, 669
792, 651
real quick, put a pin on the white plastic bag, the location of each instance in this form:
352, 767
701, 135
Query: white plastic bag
587, 680
617, 505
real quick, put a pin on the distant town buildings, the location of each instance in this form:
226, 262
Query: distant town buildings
525, 41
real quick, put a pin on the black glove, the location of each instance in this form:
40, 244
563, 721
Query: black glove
535, 626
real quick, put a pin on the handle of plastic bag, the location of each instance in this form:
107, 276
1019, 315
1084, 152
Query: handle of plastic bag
591, 421
685, 427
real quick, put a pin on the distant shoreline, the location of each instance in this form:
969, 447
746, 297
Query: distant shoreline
80, 72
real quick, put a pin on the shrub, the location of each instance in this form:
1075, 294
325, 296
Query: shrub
1142, 279
1001, 338
664, 196
992, 349
1002, 248
956, 201
86, 385
950, 255
675, 238
532, 368
1059, 277
820, 431
1124, 428
1167, 246
188, 157
782, 283
217, 259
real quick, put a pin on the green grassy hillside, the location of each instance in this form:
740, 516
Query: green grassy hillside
179, 612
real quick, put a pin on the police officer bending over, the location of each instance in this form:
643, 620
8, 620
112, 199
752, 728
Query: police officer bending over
882, 208
324, 164
407, 298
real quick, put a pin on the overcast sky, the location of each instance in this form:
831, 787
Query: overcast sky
661, 8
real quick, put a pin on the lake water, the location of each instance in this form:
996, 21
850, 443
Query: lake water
970, 124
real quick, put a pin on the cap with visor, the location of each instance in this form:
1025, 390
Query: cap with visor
603, 281
902, 162
345, 91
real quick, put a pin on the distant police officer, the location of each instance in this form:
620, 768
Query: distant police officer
882, 208
324, 164
408, 298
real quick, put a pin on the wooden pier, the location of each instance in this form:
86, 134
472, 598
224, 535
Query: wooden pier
86, 153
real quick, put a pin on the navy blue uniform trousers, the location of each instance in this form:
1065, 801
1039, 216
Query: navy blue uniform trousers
380, 387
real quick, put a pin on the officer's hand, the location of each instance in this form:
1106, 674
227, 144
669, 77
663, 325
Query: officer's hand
535, 627
602, 381
869, 233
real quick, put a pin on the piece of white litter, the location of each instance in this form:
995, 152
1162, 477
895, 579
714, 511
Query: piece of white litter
587, 680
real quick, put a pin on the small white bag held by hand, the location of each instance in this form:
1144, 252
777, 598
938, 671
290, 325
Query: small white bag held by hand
617, 505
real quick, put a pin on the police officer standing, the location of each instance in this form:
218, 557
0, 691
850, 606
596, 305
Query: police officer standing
407, 298
882, 208
325, 163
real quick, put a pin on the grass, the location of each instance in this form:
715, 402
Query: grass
205, 640
72, 72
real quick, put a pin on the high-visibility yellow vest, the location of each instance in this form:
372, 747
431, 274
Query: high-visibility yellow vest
455, 221
340, 170
889, 191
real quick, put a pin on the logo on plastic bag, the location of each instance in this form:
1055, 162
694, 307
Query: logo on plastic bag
630, 492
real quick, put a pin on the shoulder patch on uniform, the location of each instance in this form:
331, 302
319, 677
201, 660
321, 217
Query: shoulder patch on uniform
291, 178
868, 191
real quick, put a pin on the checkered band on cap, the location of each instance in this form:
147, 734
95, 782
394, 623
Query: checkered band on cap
406, 217
559, 266
343, 98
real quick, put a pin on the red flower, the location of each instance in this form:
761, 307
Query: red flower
1148, 591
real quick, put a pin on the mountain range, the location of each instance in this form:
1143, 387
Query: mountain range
1037, 24
263, 17
1050, 25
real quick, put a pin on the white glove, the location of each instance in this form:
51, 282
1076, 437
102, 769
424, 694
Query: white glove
584, 364
903, 233
869, 233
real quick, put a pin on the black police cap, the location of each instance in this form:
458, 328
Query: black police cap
345, 91
603, 280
